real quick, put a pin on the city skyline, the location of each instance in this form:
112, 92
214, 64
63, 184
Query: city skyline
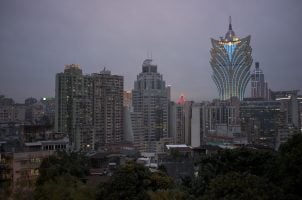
39, 38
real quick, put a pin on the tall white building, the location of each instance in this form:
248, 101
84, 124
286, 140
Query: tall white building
150, 97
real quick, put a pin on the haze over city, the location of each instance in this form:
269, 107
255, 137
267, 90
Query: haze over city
37, 38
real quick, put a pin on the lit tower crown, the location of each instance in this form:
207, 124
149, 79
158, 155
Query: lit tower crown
231, 60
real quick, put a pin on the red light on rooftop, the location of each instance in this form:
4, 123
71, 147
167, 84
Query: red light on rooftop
181, 99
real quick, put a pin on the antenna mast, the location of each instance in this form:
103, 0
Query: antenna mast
230, 23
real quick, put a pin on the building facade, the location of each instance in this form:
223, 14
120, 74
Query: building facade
197, 134
127, 98
261, 121
231, 60
20, 170
150, 97
107, 108
89, 108
10, 111
259, 87
180, 121
219, 121
289, 103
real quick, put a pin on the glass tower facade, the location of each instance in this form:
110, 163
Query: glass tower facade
231, 60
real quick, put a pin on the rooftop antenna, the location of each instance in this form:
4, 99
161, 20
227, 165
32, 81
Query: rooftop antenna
230, 23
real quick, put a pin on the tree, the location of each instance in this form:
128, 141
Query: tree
241, 160
64, 188
241, 186
63, 163
128, 182
289, 172
160, 181
5, 188
62, 176
133, 181
166, 195
257, 162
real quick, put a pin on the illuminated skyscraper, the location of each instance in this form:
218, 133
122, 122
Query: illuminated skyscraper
231, 60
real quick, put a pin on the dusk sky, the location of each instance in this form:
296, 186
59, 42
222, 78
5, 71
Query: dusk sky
38, 37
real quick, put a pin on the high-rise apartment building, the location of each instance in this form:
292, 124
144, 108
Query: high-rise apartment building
89, 108
231, 59
74, 103
259, 88
150, 98
180, 121
107, 107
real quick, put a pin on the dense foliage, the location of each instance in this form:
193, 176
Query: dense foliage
241, 186
133, 181
62, 176
63, 163
64, 187
228, 174
235, 174
289, 171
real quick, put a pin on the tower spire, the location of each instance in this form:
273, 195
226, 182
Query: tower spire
230, 23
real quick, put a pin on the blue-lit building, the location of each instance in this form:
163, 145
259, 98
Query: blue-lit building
231, 60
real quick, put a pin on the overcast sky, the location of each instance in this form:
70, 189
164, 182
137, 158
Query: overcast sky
38, 37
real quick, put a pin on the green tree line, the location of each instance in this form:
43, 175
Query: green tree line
228, 174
